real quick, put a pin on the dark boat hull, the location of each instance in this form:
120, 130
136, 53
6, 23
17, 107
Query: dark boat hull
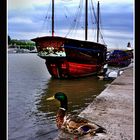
68, 58
120, 58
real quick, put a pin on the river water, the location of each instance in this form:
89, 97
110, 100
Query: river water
30, 116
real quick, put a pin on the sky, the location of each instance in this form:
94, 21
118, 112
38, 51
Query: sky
29, 19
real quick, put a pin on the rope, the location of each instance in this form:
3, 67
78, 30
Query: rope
47, 17
74, 25
78, 14
101, 29
92, 21
99, 23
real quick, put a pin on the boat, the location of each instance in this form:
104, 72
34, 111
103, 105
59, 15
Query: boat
120, 58
72, 58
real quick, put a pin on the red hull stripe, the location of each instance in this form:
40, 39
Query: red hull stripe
71, 69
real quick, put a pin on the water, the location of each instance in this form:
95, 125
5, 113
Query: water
30, 116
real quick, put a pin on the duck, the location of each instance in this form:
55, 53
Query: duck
73, 124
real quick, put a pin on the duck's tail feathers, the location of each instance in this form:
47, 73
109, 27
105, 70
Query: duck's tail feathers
101, 130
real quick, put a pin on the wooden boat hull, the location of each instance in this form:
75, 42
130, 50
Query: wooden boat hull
68, 58
61, 68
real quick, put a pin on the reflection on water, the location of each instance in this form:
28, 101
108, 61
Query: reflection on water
30, 116
80, 93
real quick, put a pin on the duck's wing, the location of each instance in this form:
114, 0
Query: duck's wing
98, 128
78, 125
73, 123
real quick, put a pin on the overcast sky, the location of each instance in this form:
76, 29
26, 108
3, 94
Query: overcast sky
29, 19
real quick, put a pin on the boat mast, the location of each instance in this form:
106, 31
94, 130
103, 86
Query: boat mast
98, 22
52, 17
86, 19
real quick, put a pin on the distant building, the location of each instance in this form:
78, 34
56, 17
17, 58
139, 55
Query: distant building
129, 46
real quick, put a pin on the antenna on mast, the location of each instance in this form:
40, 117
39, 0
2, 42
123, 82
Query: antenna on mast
98, 20
86, 19
52, 17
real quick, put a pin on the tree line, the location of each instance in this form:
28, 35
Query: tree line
22, 43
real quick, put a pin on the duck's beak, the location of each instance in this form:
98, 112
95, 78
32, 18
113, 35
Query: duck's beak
50, 98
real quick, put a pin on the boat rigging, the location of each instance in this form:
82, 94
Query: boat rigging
66, 57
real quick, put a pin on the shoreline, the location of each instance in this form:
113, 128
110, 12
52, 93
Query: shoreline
113, 109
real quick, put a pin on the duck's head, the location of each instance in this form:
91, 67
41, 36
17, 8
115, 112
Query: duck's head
60, 96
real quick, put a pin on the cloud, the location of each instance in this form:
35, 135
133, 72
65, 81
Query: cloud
25, 4
17, 20
32, 18
116, 1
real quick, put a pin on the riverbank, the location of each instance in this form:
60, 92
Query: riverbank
114, 109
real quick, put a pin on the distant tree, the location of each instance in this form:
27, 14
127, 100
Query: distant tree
9, 40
